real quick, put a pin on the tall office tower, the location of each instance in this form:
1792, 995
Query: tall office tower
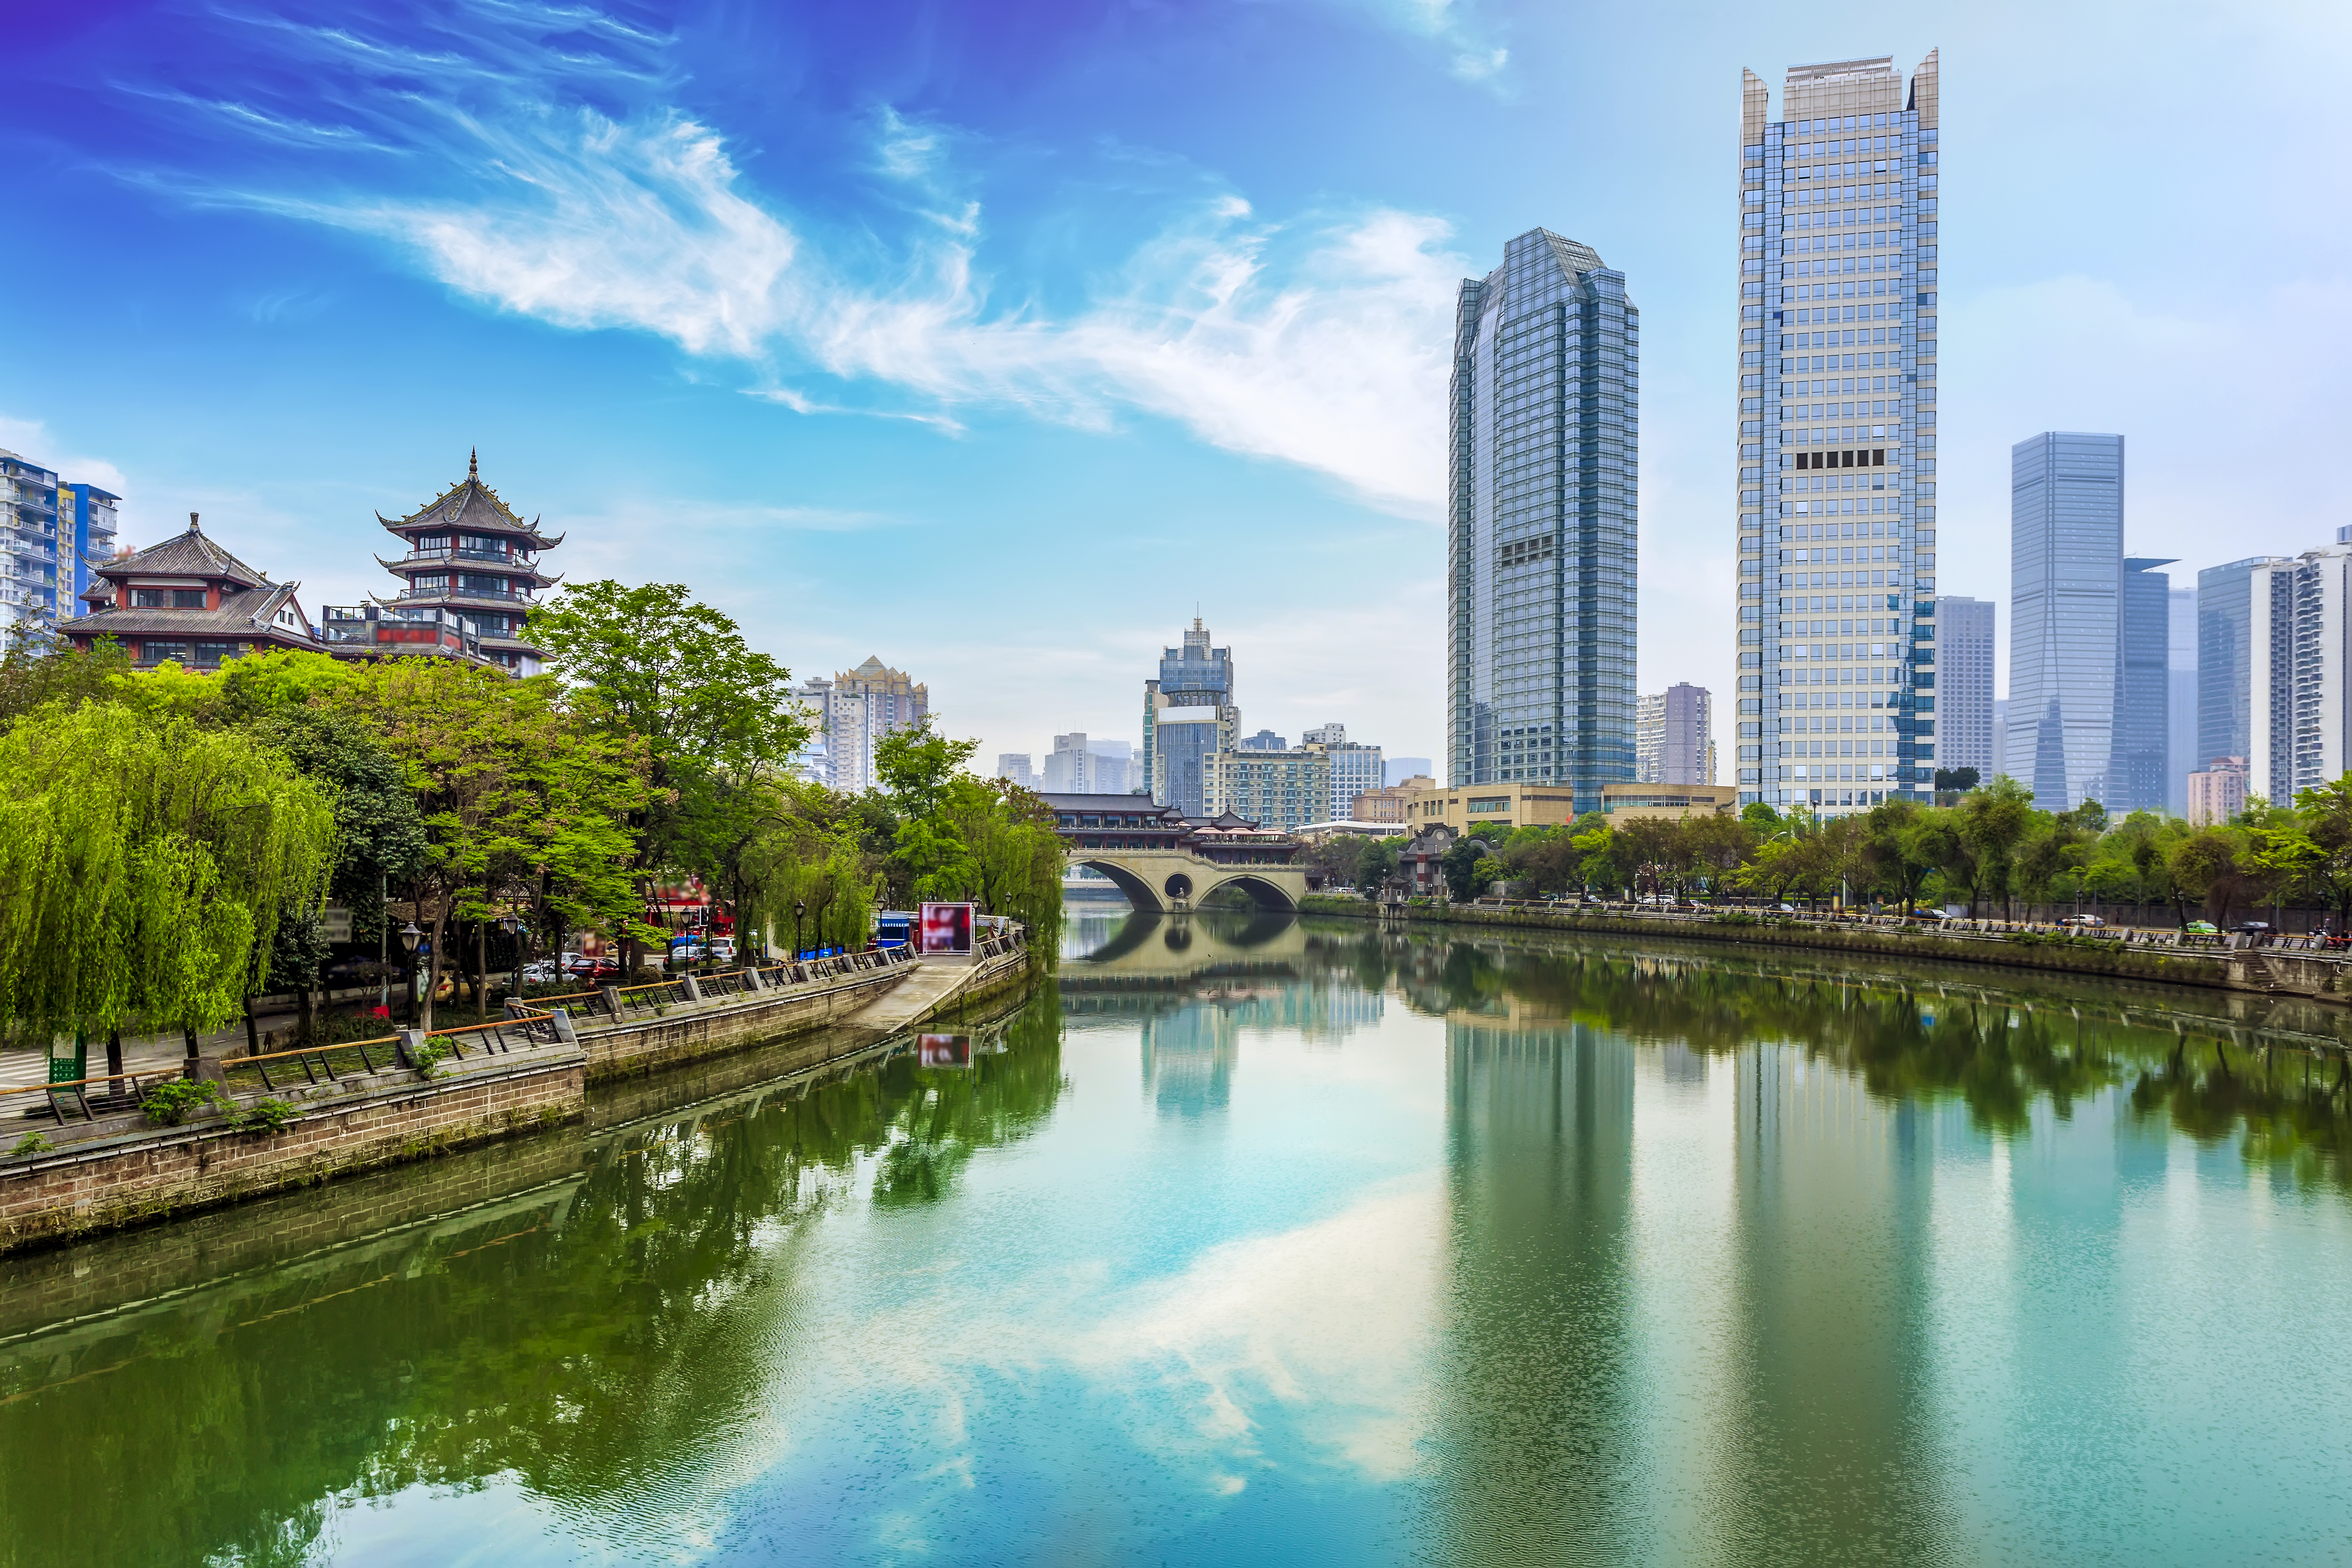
2301, 653
1541, 528
1355, 766
1686, 744
2143, 706
864, 705
1837, 451
2225, 658
1014, 768
2180, 757
1649, 737
1964, 684
1188, 716
2066, 615
28, 550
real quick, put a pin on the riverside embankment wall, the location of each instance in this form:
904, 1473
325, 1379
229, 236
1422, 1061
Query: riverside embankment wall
120, 1172
2261, 972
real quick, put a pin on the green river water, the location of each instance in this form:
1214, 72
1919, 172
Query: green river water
1250, 1240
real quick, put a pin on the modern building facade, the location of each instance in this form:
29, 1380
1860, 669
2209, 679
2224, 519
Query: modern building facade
1280, 791
1542, 521
1838, 235
2300, 647
471, 556
29, 601
861, 707
2225, 658
1188, 716
1514, 805
1355, 766
2216, 794
1077, 765
1013, 767
1649, 736
188, 601
2065, 618
1389, 803
86, 536
1964, 660
2143, 707
2181, 758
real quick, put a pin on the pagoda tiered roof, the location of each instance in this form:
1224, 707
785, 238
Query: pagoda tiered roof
472, 505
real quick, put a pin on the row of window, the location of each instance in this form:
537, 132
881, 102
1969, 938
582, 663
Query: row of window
190, 653
167, 598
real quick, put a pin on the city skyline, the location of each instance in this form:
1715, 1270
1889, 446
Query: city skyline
622, 394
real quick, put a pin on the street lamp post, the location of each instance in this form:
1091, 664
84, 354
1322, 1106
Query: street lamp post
797, 908
409, 937
513, 928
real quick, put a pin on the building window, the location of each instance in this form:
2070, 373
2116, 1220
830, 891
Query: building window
217, 652
162, 652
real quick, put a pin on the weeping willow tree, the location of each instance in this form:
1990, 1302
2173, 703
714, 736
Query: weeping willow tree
145, 862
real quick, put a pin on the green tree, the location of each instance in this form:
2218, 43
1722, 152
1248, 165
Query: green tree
144, 867
1994, 821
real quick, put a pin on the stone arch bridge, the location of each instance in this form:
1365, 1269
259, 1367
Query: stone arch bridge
1166, 863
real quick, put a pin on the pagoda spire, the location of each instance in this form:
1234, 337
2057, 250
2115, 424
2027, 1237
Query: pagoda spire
474, 462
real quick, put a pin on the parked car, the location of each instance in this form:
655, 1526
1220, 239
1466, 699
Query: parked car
540, 971
595, 970
1784, 908
2255, 927
2201, 928
2082, 921
722, 949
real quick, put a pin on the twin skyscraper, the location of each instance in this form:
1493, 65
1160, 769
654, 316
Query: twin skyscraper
1835, 699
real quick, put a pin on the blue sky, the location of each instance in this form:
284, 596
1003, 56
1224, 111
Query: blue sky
994, 338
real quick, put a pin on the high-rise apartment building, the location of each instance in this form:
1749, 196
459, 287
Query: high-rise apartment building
1282, 790
1013, 767
2066, 615
1964, 657
1837, 442
86, 534
1355, 766
1077, 765
29, 599
861, 707
2143, 704
1188, 716
1542, 521
1649, 737
2225, 658
2301, 656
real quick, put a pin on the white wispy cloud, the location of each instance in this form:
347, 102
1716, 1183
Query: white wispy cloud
1472, 53
1320, 341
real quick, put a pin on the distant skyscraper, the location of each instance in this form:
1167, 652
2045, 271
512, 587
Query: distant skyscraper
1674, 736
1264, 740
863, 706
2066, 622
1077, 765
29, 593
1964, 684
2135, 781
2301, 679
1188, 716
2181, 698
1542, 521
2225, 659
1013, 767
1283, 790
1396, 770
86, 532
1837, 450
1649, 737
2000, 734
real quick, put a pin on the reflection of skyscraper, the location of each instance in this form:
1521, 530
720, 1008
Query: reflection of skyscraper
1537, 1378
1188, 1058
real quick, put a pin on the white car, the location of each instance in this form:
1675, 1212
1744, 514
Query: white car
540, 971
722, 949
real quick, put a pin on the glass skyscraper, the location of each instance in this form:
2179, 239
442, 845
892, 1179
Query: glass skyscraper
1541, 529
1837, 435
2225, 659
1188, 716
1964, 684
2065, 617
2143, 707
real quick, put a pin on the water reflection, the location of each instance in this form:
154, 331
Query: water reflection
1265, 1241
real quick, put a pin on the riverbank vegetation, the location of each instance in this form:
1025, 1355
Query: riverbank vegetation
1994, 853
173, 838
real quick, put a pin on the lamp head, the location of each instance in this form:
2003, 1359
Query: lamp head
410, 935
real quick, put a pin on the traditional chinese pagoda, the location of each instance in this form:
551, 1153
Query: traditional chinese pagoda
470, 555
191, 602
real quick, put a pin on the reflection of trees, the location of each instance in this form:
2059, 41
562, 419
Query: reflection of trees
2292, 1109
594, 1342
1999, 1053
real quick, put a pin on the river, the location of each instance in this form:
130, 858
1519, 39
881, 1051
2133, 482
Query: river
1246, 1241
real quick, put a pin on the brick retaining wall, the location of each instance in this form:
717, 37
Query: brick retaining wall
76, 1192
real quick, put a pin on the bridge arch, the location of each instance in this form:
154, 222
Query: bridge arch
1162, 883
